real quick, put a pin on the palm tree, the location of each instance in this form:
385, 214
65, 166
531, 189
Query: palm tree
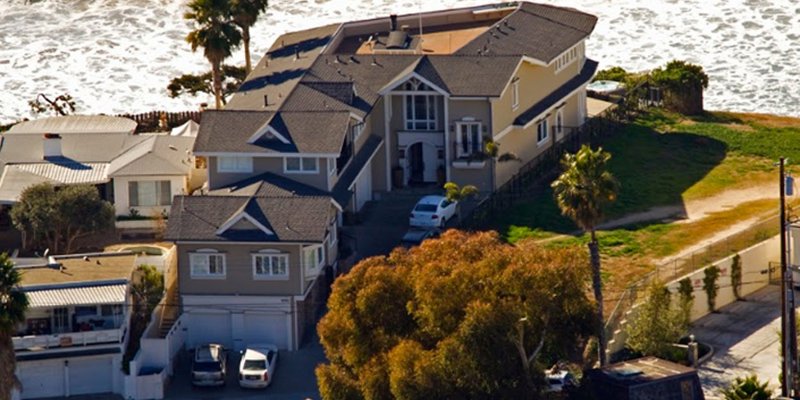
216, 33
13, 304
245, 13
582, 190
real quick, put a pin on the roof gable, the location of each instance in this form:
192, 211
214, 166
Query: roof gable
242, 220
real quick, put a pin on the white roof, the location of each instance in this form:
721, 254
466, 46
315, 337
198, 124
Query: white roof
190, 128
17, 177
74, 296
75, 124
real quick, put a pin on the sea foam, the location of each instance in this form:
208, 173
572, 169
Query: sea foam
116, 56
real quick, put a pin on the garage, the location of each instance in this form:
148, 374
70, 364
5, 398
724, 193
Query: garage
363, 186
90, 375
206, 327
41, 378
266, 328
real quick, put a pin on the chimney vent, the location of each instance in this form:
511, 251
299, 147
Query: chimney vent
51, 145
392, 22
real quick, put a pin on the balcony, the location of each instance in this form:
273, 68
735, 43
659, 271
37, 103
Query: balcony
66, 340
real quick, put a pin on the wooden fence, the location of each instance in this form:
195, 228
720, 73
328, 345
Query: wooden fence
161, 121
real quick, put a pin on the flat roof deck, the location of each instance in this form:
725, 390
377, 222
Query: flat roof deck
77, 270
445, 39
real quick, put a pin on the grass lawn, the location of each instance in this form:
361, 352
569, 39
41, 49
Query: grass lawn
666, 159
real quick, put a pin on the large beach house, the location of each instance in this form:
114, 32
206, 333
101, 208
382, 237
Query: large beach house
333, 115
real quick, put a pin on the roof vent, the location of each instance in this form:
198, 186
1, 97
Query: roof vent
266, 100
392, 22
397, 40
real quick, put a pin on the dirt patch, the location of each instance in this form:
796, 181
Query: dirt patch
769, 120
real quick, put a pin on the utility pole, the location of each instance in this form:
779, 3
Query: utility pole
788, 324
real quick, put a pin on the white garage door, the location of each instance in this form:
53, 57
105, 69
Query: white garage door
266, 328
90, 375
41, 378
209, 328
364, 186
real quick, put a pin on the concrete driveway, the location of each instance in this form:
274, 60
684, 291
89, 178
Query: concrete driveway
294, 378
745, 339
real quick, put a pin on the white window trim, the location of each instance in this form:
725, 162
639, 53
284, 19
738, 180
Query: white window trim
207, 253
459, 126
270, 277
515, 94
543, 140
301, 171
248, 167
567, 58
331, 166
358, 129
413, 121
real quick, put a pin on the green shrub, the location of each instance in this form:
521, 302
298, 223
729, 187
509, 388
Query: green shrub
748, 388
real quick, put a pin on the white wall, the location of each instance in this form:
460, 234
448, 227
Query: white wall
755, 276
121, 204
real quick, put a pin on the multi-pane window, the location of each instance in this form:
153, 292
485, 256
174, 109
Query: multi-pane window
420, 109
313, 257
300, 165
235, 164
149, 193
541, 131
469, 140
207, 265
270, 266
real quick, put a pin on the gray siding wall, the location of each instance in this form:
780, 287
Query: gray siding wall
239, 271
266, 164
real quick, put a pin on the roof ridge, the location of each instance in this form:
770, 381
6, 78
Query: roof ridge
553, 20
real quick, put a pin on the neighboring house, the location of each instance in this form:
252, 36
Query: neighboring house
646, 378
140, 172
76, 326
332, 115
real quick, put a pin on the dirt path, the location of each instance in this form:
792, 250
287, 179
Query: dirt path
697, 209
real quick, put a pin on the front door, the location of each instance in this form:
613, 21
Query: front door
422, 162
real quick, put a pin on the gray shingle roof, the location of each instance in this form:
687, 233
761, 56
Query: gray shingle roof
586, 74
291, 219
278, 72
535, 30
157, 155
229, 130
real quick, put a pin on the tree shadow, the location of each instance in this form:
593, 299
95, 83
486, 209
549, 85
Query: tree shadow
654, 169
272, 79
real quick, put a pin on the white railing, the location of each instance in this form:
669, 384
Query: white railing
65, 340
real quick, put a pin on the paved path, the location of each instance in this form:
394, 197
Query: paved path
745, 339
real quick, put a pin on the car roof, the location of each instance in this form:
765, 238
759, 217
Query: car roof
561, 374
208, 352
258, 352
432, 199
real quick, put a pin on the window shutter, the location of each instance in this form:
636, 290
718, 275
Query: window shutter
166, 193
133, 194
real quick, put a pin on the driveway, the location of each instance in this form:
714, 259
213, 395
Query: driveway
294, 378
745, 339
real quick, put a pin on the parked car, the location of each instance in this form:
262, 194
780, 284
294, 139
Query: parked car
209, 365
559, 380
415, 236
432, 211
257, 365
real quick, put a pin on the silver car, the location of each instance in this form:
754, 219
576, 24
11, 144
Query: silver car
209, 365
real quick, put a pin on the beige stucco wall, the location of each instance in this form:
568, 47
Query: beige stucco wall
239, 271
535, 82
178, 185
266, 164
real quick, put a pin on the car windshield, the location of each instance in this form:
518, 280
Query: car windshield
208, 366
425, 208
254, 365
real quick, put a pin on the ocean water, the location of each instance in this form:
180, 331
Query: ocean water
117, 56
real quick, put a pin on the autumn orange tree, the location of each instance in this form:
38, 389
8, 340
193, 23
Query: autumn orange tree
464, 316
